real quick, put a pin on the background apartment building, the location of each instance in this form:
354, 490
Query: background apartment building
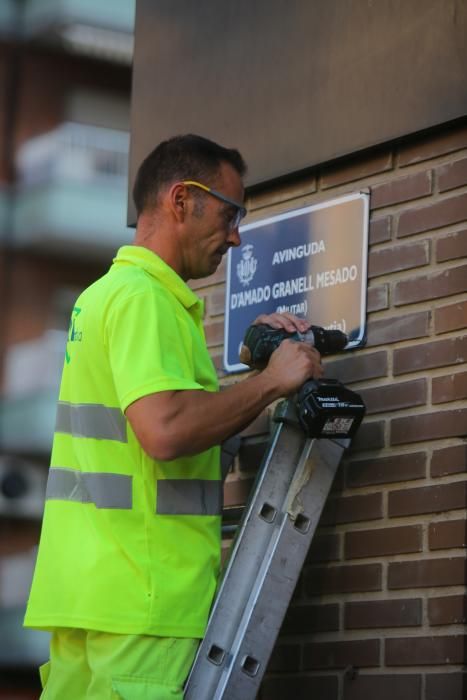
65, 75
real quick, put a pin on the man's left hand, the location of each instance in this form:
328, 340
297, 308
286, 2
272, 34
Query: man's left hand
287, 321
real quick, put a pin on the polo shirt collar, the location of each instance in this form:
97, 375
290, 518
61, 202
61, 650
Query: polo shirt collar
155, 266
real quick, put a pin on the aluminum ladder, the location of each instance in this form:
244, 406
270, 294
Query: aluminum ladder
267, 556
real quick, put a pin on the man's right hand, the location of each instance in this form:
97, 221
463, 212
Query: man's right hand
291, 365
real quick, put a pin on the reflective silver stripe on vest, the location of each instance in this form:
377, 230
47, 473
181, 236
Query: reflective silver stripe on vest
189, 497
102, 489
91, 420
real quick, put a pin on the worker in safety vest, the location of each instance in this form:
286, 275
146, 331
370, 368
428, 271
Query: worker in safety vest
130, 546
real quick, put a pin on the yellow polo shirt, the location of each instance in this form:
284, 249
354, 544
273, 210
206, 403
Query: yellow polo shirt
129, 544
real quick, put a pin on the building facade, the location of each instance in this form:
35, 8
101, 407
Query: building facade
380, 607
65, 75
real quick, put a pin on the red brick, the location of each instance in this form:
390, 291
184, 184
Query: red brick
236, 492
324, 548
356, 169
401, 257
396, 328
433, 145
251, 455
285, 657
384, 470
451, 387
337, 485
304, 619
380, 230
282, 192
448, 534
402, 189
352, 509
449, 460
377, 298
435, 286
427, 499
18, 535
370, 436
260, 426
445, 686
452, 246
444, 212
426, 573
342, 579
428, 426
382, 542
298, 595
218, 362
448, 610
384, 687
214, 333
358, 367
216, 303
438, 353
383, 613
451, 317
364, 653
299, 687
452, 175
395, 396
421, 651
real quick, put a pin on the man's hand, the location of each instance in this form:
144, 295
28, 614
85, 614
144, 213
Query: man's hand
292, 364
287, 321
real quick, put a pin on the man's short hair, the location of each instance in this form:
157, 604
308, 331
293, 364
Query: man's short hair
187, 157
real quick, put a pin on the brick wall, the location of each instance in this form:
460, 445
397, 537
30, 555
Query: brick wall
380, 607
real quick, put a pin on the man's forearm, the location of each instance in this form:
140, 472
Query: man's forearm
201, 419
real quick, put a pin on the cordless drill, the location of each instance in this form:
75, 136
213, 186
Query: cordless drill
261, 340
325, 408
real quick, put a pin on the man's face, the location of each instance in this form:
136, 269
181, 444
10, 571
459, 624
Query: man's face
209, 232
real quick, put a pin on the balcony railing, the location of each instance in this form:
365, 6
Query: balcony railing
102, 29
72, 191
8, 17
28, 408
19, 647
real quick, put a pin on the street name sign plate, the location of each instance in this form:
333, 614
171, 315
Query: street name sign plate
311, 262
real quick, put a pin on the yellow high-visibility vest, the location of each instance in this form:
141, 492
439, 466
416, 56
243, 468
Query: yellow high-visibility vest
129, 544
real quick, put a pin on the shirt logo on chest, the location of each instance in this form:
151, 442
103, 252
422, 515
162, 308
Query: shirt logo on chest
75, 334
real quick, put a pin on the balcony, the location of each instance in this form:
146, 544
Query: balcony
4, 209
28, 408
19, 647
27, 423
100, 29
72, 192
8, 17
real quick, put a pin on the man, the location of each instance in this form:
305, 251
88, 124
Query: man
129, 551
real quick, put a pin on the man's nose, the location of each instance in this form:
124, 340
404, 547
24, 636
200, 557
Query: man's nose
233, 239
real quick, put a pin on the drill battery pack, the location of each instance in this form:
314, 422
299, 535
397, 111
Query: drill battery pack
328, 409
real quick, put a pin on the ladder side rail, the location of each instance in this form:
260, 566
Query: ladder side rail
269, 602
250, 546
255, 532
270, 584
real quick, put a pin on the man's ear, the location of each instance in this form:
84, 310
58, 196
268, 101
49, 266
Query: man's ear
178, 201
